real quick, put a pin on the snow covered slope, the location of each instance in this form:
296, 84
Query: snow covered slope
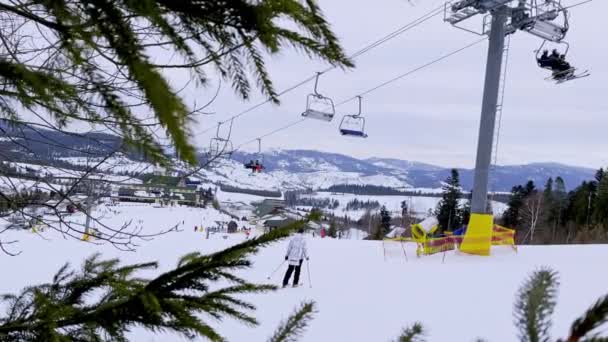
231, 172
354, 287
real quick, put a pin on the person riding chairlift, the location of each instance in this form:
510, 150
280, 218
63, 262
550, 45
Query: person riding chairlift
556, 62
258, 167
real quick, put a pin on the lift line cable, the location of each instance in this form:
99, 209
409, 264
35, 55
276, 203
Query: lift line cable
397, 78
577, 4
437, 60
427, 16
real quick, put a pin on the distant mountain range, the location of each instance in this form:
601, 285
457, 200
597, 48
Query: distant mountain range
414, 174
288, 168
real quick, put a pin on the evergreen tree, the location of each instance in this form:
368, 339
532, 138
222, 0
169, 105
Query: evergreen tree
381, 227
560, 200
332, 231
534, 304
512, 216
406, 217
466, 211
599, 175
448, 211
404, 208
600, 213
385, 220
548, 202
92, 60
529, 188
580, 204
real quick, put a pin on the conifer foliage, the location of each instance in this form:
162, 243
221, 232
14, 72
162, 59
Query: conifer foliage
103, 300
449, 211
534, 304
97, 61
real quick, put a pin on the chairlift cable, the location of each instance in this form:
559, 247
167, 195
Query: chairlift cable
577, 4
394, 79
282, 128
427, 16
294, 123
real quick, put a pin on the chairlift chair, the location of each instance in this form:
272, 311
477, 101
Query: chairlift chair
318, 106
353, 125
219, 146
543, 21
258, 164
560, 76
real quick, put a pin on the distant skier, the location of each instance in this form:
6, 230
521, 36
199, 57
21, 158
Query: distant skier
296, 253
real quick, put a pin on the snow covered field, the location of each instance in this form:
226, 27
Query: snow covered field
418, 204
360, 296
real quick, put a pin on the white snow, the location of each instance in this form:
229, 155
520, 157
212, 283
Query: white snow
354, 287
419, 205
53, 171
116, 164
233, 173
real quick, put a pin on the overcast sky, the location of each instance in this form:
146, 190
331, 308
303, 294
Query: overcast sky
432, 116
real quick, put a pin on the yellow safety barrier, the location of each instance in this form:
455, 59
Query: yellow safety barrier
481, 234
503, 236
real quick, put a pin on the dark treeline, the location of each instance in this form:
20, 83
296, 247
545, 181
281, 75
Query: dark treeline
321, 203
262, 193
376, 190
553, 215
296, 198
357, 205
10, 203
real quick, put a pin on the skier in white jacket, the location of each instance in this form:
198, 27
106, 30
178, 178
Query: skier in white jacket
296, 253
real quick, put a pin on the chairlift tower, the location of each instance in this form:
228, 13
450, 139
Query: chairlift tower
500, 18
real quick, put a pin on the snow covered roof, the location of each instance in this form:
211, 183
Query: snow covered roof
396, 232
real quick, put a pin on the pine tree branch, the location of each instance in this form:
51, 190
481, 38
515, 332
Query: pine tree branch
534, 305
105, 299
413, 333
292, 328
595, 316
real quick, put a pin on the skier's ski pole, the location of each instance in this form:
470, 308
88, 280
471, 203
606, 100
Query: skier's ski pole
404, 252
275, 271
308, 271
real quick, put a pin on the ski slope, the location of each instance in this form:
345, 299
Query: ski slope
360, 295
